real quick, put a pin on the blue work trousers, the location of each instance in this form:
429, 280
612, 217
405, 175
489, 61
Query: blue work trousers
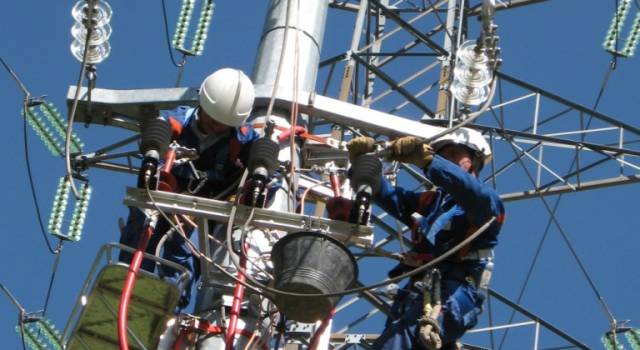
175, 249
460, 309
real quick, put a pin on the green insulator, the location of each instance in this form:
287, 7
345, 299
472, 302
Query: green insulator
79, 214
60, 203
60, 125
607, 341
184, 18
53, 117
616, 25
51, 334
197, 45
76, 144
633, 338
43, 132
30, 338
633, 37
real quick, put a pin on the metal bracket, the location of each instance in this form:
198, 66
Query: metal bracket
108, 107
126, 108
359, 235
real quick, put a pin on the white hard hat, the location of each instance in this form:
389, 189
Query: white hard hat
227, 96
472, 139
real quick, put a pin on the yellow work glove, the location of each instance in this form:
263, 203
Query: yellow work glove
412, 150
359, 146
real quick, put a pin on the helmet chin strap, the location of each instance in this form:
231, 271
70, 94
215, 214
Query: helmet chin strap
476, 165
198, 121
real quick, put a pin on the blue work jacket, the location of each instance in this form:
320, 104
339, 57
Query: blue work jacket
456, 208
222, 158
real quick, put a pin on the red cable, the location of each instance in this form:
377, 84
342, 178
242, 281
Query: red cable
313, 344
335, 184
242, 332
238, 295
170, 157
134, 267
178, 344
129, 283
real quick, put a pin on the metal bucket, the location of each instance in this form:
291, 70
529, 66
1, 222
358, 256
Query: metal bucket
311, 263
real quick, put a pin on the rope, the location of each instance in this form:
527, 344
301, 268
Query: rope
190, 245
272, 100
294, 113
437, 260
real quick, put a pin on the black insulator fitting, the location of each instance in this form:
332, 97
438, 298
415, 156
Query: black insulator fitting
156, 136
366, 172
148, 173
263, 160
361, 209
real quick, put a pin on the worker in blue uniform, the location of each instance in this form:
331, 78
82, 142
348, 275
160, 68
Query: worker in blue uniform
216, 129
440, 219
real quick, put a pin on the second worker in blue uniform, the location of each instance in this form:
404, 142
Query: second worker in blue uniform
440, 219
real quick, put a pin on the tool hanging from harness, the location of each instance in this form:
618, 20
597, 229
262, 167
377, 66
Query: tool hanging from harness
429, 331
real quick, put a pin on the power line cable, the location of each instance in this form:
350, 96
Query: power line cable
166, 32
25, 92
26, 101
605, 82
31, 183
182, 63
21, 312
54, 269
13, 299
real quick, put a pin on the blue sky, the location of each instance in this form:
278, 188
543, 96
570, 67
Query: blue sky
555, 45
